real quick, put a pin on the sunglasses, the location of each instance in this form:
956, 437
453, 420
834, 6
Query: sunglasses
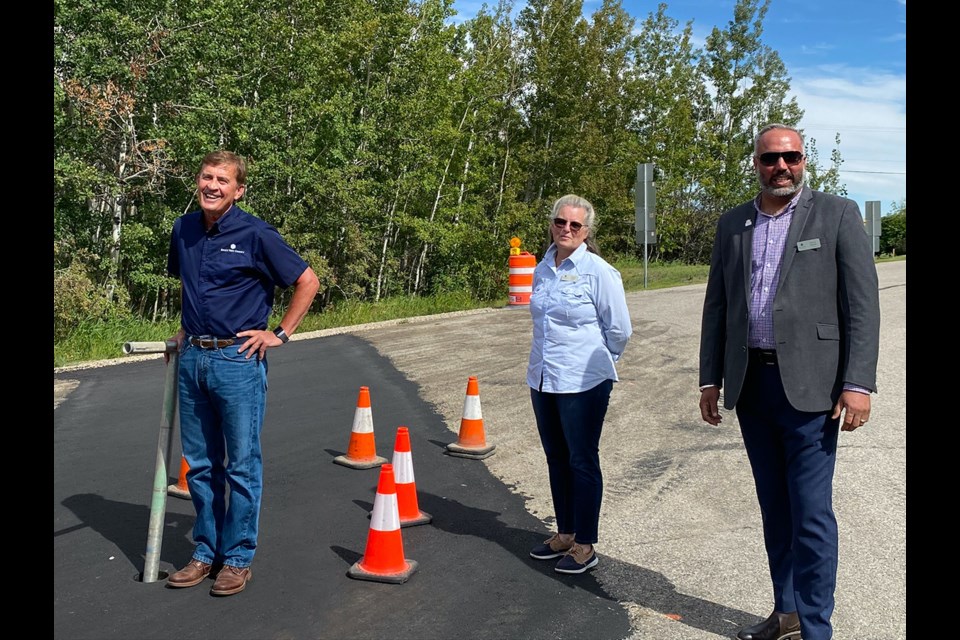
772, 157
560, 223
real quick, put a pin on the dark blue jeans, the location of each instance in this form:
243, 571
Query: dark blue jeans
570, 425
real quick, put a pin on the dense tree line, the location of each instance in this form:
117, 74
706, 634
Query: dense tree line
396, 150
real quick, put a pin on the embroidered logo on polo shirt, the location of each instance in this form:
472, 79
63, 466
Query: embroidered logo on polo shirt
232, 249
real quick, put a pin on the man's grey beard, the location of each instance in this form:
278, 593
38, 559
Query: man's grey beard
781, 192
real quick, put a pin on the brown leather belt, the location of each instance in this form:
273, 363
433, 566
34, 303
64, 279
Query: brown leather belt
211, 343
764, 356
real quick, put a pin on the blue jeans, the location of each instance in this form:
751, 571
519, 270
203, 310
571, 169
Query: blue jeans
569, 426
222, 401
793, 454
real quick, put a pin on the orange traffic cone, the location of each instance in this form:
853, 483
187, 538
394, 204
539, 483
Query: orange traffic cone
362, 451
383, 559
472, 442
181, 490
410, 513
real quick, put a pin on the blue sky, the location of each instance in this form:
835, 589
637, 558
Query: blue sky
847, 63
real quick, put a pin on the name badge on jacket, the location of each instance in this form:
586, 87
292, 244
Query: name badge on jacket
808, 244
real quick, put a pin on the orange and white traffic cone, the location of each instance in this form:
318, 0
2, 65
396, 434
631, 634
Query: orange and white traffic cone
362, 450
181, 490
383, 559
472, 442
410, 513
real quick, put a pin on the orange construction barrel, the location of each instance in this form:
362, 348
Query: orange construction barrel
521, 277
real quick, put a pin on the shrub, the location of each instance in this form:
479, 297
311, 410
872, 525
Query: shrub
77, 299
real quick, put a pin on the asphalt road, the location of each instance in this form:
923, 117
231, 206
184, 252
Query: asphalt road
680, 540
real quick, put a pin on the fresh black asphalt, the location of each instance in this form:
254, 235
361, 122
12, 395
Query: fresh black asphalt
475, 579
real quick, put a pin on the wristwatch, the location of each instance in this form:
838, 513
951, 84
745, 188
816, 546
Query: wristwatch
280, 333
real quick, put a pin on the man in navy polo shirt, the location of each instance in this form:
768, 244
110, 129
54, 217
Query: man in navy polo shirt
229, 264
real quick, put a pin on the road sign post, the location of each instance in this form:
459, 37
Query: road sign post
872, 221
645, 200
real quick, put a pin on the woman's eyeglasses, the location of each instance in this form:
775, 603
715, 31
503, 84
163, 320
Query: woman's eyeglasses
772, 157
560, 223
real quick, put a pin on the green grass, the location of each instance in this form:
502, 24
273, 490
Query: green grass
102, 341
350, 313
660, 275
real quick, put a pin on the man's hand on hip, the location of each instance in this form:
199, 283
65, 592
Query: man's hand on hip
258, 343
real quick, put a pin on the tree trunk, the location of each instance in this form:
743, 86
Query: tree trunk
386, 236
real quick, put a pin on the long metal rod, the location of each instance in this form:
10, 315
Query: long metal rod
158, 503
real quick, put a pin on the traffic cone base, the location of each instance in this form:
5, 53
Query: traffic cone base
367, 463
454, 449
362, 450
359, 573
181, 490
423, 518
177, 492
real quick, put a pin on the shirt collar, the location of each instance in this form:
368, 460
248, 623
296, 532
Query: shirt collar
788, 209
223, 222
574, 257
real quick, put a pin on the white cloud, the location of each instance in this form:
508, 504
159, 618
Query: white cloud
817, 49
868, 110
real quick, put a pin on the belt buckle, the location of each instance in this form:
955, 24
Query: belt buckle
211, 342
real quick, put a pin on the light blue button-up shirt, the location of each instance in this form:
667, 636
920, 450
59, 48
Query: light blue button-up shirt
580, 322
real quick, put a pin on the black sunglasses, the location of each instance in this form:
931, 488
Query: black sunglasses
772, 157
560, 223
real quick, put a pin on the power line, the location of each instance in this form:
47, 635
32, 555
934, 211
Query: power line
841, 128
884, 173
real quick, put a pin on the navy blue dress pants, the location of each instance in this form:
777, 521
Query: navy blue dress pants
793, 454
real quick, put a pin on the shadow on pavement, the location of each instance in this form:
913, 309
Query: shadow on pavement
125, 525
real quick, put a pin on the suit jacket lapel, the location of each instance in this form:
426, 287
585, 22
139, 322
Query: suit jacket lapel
800, 217
746, 244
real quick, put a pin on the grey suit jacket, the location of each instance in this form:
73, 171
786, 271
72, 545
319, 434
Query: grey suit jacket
826, 309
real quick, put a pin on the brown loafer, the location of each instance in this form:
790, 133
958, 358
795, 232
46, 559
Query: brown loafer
231, 580
779, 626
191, 575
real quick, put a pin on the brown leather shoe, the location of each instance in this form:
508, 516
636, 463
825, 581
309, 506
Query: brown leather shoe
191, 575
231, 580
779, 626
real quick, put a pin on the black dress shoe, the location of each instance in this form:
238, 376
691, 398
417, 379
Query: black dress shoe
779, 626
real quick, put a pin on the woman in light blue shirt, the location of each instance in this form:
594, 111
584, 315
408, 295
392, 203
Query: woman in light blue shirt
580, 328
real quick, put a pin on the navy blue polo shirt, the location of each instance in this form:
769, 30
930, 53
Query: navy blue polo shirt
229, 273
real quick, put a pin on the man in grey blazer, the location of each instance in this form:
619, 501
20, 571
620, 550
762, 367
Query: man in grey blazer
791, 331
